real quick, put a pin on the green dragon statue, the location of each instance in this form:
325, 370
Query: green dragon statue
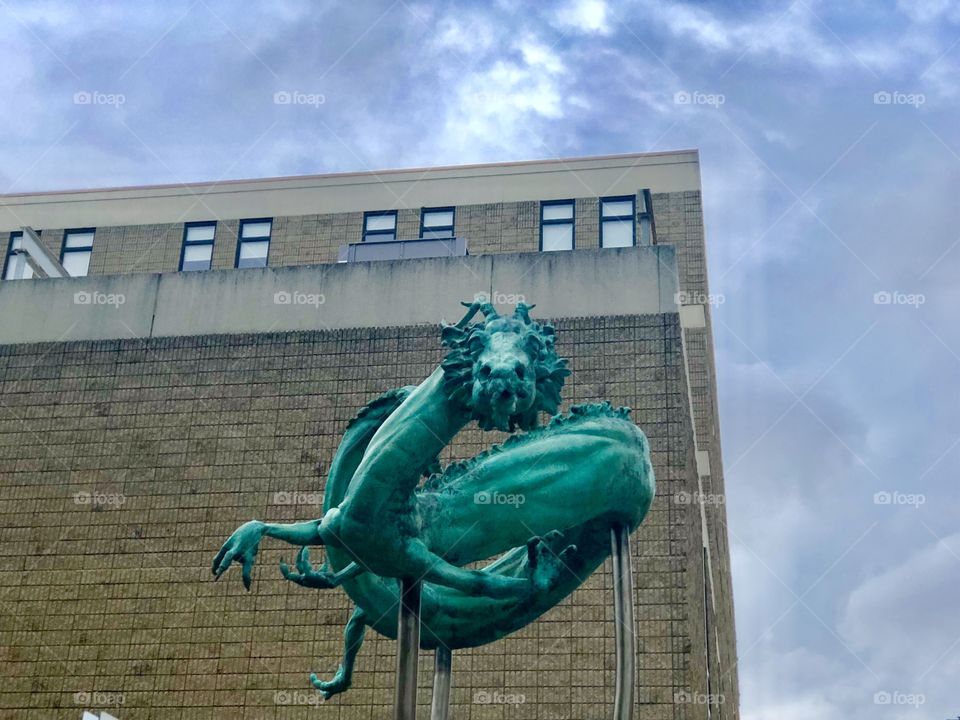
543, 503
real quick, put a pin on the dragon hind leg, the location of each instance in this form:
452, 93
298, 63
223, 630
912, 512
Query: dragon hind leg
547, 557
352, 640
322, 579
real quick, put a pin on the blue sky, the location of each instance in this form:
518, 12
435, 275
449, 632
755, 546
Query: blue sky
831, 157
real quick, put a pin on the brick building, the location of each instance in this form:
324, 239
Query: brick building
197, 362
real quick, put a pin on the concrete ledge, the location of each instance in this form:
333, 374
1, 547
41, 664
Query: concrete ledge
626, 281
354, 192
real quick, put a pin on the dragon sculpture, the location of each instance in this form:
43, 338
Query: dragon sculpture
543, 503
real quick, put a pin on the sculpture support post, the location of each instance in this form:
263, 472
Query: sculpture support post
408, 648
440, 709
624, 624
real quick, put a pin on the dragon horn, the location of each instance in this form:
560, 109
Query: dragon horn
522, 312
489, 311
472, 309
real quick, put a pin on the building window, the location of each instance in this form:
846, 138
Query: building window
197, 251
254, 243
436, 222
646, 226
617, 222
556, 225
380, 225
16, 268
76, 250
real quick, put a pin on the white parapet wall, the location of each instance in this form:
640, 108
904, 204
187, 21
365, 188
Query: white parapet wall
626, 281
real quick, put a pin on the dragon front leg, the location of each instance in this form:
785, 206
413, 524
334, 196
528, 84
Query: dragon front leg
321, 579
352, 640
242, 546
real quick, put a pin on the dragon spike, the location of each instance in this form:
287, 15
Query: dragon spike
489, 311
522, 312
472, 309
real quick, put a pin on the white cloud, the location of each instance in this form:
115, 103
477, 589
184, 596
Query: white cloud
795, 35
925, 11
466, 35
583, 16
503, 106
812, 705
899, 616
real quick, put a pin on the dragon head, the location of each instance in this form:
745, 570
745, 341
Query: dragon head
504, 371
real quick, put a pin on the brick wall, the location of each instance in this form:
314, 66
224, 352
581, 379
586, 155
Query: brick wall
679, 222
505, 227
125, 464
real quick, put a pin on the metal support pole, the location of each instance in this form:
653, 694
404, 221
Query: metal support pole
624, 624
441, 684
408, 648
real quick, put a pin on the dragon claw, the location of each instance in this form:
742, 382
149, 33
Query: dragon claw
548, 558
305, 575
329, 688
241, 548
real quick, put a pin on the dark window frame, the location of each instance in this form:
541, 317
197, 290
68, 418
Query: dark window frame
646, 224
88, 249
210, 242
375, 235
11, 236
572, 221
241, 239
632, 217
453, 221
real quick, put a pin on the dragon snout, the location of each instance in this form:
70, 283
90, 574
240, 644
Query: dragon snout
503, 387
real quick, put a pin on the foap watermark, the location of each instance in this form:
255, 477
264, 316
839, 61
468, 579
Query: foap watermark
99, 499
96, 97
895, 497
896, 697
684, 97
698, 498
895, 297
296, 297
296, 697
497, 498
296, 97
896, 97
99, 298
98, 698
499, 298
684, 697
287, 497
690, 297
496, 697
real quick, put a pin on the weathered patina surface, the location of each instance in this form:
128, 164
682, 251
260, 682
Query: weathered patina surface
543, 503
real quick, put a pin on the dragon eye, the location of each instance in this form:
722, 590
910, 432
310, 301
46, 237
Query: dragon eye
520, 371
485, 371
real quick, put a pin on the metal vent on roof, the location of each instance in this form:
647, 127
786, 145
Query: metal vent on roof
402, 249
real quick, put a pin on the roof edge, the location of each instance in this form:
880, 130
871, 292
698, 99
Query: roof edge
360, 174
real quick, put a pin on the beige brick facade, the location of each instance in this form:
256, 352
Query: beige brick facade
175, 441
126, 464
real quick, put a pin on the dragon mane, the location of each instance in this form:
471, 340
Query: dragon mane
465, 343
